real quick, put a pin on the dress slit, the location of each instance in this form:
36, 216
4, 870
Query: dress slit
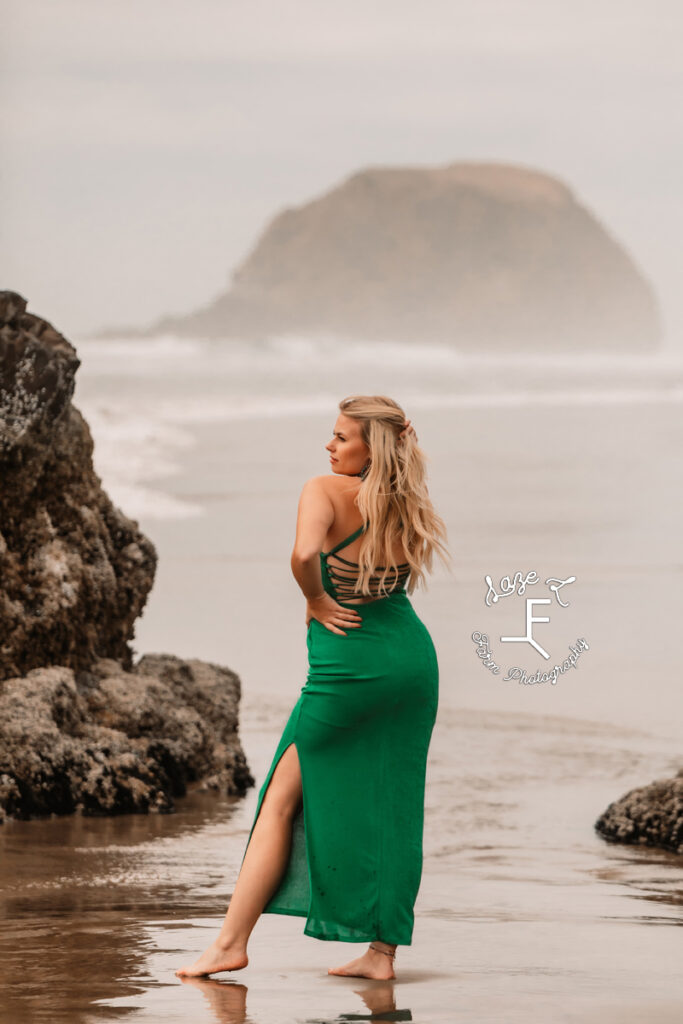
293, 892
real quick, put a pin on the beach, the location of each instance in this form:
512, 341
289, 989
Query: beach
566, 466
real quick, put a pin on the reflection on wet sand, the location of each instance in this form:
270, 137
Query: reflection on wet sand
227, 999
74, 894
380, 999
228, 1002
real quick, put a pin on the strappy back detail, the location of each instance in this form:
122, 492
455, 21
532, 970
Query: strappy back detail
339, 581
343, 543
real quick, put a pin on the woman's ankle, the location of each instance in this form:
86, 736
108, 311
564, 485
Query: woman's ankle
387, 948
235, 944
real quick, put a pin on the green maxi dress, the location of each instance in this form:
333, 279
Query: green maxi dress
362, 727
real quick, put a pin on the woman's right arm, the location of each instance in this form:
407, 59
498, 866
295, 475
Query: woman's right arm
315, 515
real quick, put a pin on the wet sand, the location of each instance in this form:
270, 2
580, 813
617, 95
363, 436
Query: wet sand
524, 913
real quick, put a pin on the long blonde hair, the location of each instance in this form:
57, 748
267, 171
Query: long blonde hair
393, 497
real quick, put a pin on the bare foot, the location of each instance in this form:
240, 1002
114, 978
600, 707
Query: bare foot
371, 964
216, 958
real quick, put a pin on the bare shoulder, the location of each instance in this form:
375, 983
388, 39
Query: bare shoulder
331, 483
316, 483
318, 489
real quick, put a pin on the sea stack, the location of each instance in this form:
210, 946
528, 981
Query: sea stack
481, 256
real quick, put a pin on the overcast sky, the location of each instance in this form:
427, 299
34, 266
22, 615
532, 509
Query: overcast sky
146, 143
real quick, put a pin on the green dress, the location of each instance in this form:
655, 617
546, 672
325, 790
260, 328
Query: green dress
362, 727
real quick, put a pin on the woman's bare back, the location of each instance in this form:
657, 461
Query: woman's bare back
342, 491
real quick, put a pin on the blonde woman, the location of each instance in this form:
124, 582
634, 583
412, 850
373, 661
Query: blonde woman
337, 833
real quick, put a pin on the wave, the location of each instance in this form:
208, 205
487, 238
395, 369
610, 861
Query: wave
297, 351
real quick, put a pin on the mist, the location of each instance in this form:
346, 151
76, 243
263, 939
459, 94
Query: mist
148, 145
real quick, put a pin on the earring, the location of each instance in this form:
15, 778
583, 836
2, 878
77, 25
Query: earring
364, 471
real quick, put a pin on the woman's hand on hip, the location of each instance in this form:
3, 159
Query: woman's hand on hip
331, 614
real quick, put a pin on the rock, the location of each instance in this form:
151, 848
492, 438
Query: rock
81, 726
76, 571
108, 741
650, 815
481, 255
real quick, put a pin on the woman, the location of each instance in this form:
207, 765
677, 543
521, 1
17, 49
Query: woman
337, 834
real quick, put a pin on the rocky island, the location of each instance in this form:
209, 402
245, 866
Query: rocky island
82, 726
484, 256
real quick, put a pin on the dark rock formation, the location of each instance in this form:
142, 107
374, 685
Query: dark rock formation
81, 726
650, 815
484, 256
107, 741
76, 571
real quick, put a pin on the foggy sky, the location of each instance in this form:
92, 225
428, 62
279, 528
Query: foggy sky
147, 143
